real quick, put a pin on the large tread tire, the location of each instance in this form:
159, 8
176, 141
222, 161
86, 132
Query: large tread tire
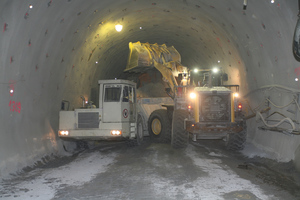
180, 137
139, 134
236, 141
140, 131
162, 134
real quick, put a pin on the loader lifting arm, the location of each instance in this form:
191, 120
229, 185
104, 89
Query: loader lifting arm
167, 60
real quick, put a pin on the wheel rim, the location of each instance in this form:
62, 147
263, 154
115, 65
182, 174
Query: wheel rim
156, 126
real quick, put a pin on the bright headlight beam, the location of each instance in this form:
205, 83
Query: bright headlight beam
193, 95
215, 70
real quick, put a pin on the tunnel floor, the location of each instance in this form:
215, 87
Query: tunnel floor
155, 171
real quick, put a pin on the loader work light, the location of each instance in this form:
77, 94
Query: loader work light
193, 95
236, 95
63, 133
116, 132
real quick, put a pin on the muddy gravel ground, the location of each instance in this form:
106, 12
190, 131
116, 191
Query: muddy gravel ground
111, 170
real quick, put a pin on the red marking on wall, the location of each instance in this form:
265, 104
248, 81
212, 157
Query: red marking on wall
14, 106
153, 4
73, 66
4, 28
26, 15
297, 71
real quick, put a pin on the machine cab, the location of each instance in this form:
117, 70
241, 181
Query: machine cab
117, 100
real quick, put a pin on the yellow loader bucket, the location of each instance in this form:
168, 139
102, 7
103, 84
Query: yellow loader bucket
142, 56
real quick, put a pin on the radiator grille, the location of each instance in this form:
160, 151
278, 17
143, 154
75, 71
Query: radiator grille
88, 120
215, 107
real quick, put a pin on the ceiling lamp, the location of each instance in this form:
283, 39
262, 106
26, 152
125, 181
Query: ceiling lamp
118, 27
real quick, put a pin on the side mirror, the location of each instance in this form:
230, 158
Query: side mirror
296, 41
224, 77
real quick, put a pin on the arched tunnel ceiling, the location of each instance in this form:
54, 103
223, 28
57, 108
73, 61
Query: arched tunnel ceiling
49, 53
76, 34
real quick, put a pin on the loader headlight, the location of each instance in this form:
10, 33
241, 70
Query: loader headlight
63, 133
193, 95
115, 132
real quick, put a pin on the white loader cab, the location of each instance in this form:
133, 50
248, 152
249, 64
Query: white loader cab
114, 119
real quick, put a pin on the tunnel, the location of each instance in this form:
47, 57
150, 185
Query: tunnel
54, 51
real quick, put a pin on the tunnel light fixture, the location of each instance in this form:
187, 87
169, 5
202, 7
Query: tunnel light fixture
141, 27
96, 62
236, 95
30, 6
196, 70
219, 61
272, 1
119, 27
296, 79
11, 91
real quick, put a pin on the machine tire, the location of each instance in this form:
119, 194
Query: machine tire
236, 141
180, 136
139, 131
159, 126
139, 134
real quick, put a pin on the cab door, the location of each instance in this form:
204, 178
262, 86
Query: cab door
112, 107
128, 104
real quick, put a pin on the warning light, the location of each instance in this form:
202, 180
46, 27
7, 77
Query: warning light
189, 107
240, 106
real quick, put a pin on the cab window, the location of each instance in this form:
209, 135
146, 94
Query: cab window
112, 94
125, 94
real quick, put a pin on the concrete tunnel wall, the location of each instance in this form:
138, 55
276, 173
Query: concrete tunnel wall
49, 54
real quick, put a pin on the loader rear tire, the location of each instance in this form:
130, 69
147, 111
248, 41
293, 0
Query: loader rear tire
236, 141
180, 136
159, 126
